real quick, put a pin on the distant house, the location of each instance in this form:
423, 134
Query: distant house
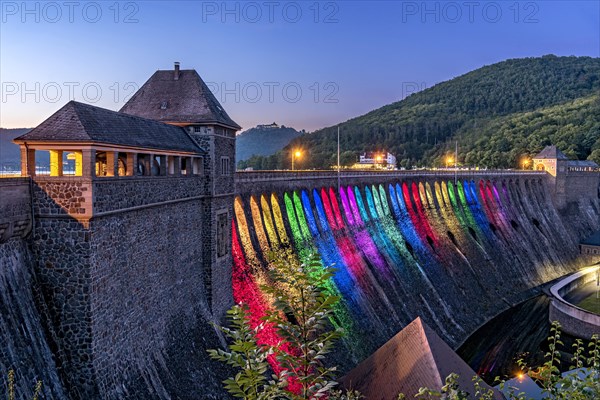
379, 160
550, 160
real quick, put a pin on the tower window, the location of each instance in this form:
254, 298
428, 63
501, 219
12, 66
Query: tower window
223, 239
197, 129
198, 165
225, 167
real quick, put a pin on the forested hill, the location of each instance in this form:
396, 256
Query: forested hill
263, 140
480, 110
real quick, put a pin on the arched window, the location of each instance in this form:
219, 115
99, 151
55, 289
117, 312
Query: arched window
100, 163
155, 165
122, 166
141, 168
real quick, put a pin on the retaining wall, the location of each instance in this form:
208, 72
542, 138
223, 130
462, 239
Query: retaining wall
574, 320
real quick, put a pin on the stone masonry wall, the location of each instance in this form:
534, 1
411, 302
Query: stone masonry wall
219, 282
118, 193
217, 143
61, 248
146, 270
257, 183
62, 196
119, 278
15, 208
224, 146
217, 278
581, 184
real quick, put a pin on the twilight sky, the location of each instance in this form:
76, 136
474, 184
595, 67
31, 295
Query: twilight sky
304, 64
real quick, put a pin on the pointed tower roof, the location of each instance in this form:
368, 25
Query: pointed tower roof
416, 357
84, 123
178, 96
551, 152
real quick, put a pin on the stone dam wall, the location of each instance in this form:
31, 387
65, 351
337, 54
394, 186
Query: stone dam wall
24, 346
453, 249
108, 285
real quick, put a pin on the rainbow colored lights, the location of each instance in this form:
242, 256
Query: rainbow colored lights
401, 250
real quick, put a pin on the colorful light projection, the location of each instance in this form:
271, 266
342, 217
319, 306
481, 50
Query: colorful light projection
386, 243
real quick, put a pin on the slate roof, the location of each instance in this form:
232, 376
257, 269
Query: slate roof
582, 164
78, 122
186, 99
551, 152
593, 240
416, 357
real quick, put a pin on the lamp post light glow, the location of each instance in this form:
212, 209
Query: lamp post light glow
449, 161
295, 154
525, 163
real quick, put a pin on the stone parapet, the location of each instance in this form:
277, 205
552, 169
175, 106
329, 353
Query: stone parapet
121, 193
63, 196
258, 182
84, 198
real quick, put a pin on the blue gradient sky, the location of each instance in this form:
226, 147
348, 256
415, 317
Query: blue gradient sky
346, 57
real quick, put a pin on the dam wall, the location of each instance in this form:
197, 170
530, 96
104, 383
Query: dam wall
15, 210
109, 284
455, 249
24, 347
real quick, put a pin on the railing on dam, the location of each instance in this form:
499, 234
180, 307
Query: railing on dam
253, 176
272, 181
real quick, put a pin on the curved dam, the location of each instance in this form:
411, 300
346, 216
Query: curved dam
454, 250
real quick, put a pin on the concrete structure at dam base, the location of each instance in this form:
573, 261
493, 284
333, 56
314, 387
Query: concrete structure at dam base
575, 320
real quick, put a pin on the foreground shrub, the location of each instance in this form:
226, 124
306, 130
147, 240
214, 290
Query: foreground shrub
301, 311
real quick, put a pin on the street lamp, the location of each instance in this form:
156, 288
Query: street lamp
377, 160
525, 163
449, 161
295, 154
